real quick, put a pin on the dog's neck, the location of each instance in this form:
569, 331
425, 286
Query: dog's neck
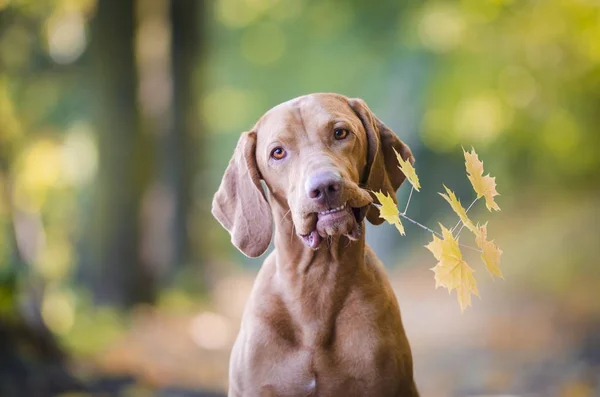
314, 283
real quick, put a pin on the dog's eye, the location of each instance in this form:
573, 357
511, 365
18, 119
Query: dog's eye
278, 153
340, 133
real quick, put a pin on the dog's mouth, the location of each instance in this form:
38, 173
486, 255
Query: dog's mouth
335, 221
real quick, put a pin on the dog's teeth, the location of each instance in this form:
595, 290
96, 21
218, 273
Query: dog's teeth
341, 207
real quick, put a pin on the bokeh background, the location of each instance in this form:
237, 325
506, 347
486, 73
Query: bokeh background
118, 117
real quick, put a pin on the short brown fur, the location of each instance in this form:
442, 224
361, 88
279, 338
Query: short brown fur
319, 322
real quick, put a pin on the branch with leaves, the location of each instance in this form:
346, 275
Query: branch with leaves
452, 271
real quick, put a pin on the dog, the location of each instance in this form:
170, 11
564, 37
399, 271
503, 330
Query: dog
322, 318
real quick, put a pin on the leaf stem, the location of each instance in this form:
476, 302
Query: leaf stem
430, 230
421, 226
471, 248
436, 233
470, 205
467, 210
409, 197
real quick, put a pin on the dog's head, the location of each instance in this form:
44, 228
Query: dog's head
319, 156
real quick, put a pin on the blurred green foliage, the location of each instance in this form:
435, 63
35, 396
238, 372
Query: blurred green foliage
519, 80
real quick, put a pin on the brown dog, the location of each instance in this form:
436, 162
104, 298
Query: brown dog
322, 319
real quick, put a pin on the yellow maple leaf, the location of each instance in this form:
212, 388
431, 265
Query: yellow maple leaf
408, 170
490, 252
485, 186
452, 271
388, 211
450, 197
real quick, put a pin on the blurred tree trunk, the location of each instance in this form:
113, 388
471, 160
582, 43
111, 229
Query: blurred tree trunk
181, 141
186, 140
114, 270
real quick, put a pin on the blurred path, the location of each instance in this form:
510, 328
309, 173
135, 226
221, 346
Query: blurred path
527, 336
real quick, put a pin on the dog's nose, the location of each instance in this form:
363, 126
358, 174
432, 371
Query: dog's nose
324, 187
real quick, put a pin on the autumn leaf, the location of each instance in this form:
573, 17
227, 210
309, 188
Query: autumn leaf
408, 170
388, 211
450, 197
484, 186
452, 271
490, 252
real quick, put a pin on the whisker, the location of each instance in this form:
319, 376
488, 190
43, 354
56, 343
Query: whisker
286, 214
283, 219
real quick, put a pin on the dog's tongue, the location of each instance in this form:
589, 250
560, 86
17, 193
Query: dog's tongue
312, 240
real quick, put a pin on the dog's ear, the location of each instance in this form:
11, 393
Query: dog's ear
382, 171
240, 204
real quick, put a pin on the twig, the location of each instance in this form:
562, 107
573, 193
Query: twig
436, 233
409, 197
421, 226
460, 220
471, 248
429, 230
460, 230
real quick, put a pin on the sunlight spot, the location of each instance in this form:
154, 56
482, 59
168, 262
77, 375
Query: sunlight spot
589, 42
54, 262
84, 6
41, 164
66, 38
235, 13
241, 13
441, 27
79, 155
481, 118
261, 5
211, 331
517, 86
58, 311
37, 170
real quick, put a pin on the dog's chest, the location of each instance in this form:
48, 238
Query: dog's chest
318, 374
345, 365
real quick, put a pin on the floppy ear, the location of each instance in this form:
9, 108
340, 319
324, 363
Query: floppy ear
240, 204
382, 171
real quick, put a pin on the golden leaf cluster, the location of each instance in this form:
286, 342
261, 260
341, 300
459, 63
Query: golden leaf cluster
452, 271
